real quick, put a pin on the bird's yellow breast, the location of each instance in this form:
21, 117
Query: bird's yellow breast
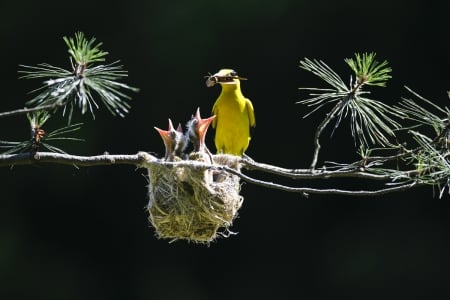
234, 117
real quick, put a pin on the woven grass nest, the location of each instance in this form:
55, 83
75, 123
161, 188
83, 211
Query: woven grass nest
194, 204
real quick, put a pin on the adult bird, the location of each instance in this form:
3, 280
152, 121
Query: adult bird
174, 141
234, 114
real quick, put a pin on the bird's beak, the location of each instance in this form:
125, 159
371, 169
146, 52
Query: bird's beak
203, 125
211, 80
170, 127
180, 128
165, 134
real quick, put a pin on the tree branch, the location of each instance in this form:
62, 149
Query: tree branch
311, 174
330, 116
307, 191
23, 111
68, 159
144, 159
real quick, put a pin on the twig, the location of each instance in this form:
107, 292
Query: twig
330, 116
68, 159
307, 191
144, 159
310, 174
23, 111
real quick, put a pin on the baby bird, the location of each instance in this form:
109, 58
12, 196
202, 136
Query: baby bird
196, 133
174, 142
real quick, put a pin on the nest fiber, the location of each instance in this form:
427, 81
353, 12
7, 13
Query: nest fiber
192, 203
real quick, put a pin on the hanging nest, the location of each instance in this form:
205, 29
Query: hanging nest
192, 203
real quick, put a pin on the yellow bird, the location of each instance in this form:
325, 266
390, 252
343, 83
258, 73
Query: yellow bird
234, 114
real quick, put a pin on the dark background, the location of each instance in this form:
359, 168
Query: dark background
68, 233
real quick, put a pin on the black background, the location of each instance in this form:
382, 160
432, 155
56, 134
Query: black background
68, 233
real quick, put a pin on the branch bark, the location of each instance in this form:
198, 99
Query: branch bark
68, 159
23, 111
311, 174
144, 159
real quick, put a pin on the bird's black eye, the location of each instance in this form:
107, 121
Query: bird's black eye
233, 73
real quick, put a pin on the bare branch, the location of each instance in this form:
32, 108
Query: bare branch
67, 159
307, 191
330, 116
141, 157
23, 111
311, 174
304, 191
144, 159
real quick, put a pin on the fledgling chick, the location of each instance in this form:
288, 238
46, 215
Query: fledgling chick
196, 131
174, 141
180, 142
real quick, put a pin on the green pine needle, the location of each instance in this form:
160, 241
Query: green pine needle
15, 147
371, 121
369, 71
423, 116
78, 87
432, 164
37, 120
83, 51
322, 70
